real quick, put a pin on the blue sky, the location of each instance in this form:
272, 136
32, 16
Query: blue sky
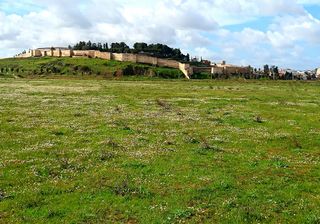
277, 32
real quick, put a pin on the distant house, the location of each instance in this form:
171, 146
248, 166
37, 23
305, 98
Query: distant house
318, 73
206, 62
195, 59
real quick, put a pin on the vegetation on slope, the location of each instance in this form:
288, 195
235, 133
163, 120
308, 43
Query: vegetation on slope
81, 67
159, 152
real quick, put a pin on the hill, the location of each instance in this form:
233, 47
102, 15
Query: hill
81, 68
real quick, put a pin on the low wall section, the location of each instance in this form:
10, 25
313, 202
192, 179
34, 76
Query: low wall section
36, 53
202, 69
130, 57
79, 53
217, 70
103, 55
237, 70
56, 53
66, 53
117, 57
168, 63
25, 55
147, 60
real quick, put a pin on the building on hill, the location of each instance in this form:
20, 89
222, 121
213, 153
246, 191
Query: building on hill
230, 69
221, 69
206, 62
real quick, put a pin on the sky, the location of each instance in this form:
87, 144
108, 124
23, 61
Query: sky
285, 33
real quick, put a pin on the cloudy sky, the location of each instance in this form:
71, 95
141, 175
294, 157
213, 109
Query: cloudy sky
256, 32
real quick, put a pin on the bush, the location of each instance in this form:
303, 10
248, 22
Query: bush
168, 73
128, 71
202, 75
85, 69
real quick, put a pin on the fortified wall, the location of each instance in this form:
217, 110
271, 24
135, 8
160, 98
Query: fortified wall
186, 69
223, 70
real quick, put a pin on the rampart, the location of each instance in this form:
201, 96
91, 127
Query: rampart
186, 69
202, 69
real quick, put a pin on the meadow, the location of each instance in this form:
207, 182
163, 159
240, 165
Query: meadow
159, 151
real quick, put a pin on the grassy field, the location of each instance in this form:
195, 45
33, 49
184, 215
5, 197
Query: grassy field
89, 151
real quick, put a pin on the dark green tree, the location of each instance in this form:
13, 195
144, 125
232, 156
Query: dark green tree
266, 70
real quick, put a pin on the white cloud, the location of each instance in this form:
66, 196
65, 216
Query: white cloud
198, 27
309, 2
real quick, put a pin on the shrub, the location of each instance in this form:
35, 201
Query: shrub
202, 75
168, 73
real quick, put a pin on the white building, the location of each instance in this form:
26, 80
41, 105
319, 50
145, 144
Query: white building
318, 73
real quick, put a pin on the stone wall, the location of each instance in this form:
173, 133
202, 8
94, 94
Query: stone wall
217, 70
66, 53
237, 70
78, 53
103, 55
25, 55
56, 53
36, 53
147, 60
117, 57
130, 57
168, 63
91, 54
46, 52
202, 69
135, 58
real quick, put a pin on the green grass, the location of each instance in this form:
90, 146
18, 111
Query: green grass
85, 68
90, 151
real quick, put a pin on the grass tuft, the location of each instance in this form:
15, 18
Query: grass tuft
162, 103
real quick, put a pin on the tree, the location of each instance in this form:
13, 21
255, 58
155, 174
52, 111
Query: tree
99, 46
187, 58
276, 72
119, 48
89, 45
124, 48
266, 70
140, 47
94, 46
156, 50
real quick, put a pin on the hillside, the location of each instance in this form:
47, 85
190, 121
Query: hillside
80, 68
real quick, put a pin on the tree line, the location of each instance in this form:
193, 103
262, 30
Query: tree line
156, 50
